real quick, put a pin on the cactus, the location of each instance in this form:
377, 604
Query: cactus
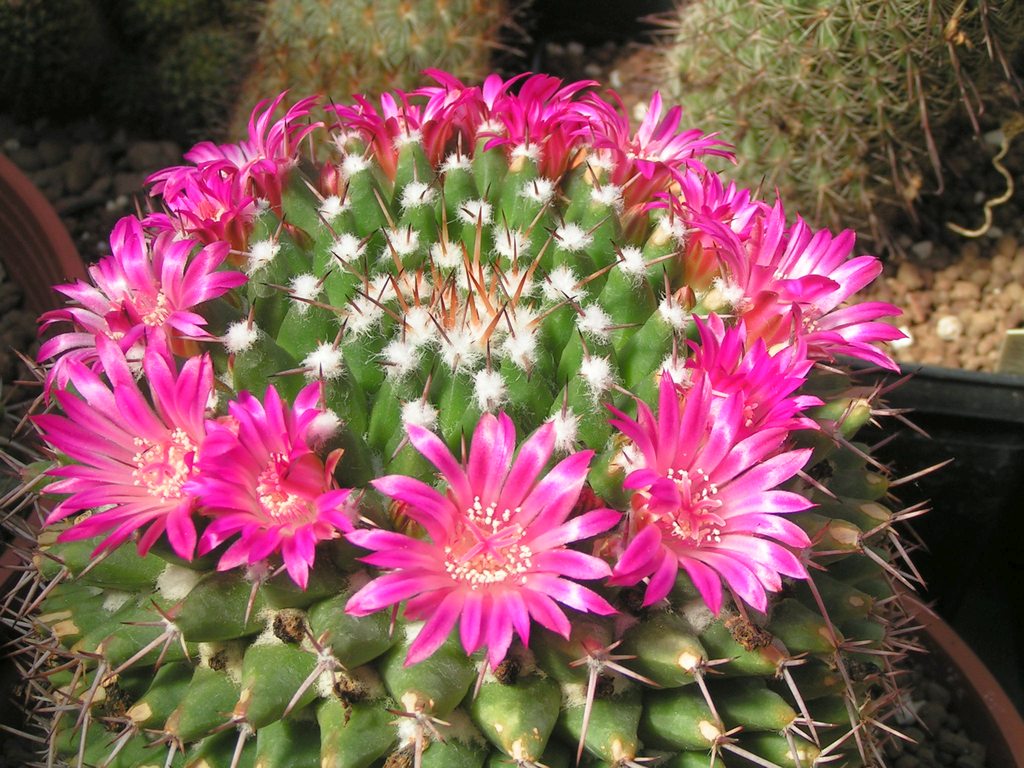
851, 110
332, 48
53, 56
472, 428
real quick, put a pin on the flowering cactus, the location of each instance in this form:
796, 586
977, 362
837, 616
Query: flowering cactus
465, 427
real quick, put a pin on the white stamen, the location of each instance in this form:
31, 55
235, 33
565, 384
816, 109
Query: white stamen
326, 362
240, 336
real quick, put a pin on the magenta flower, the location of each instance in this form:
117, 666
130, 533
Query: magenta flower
766, 382
496, 556
706, 500
261, 479
133, 456
146, 283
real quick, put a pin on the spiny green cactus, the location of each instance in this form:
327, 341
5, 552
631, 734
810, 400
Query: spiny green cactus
406, 279
53, 55
367, 46
848, 108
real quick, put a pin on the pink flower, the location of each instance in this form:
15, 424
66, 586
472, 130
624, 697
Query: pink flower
133, 457
705, 499
496, 556
766, 383
146, 283
791, 281
260, 478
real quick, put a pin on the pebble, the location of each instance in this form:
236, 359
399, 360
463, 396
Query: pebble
923, 249
909, 276
80, 170
149, 156
949, 327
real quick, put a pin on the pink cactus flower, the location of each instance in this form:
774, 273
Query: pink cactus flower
260, 478
496, 556
766, 382
133, 456
146, 283
706, 499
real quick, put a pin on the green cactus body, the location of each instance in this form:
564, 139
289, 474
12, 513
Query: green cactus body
429, 292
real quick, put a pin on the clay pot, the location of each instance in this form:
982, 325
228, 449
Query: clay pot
35, 247
988, 714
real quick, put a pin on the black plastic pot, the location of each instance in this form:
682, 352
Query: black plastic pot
973, 556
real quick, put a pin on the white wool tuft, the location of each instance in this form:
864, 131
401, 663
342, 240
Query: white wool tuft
417, 194
323, 427
538, 190
304, 288
495, 127
406, 137
572, 237
601, 160
607, 194
460, 350
400, 358
332, 207
419, 412
566, 429
455, 162
324, 362
561, 284
673, 313
521, 349
114, 599
419, 327
404, 240
675, 366
472, 211
362, 316
511, 244
353, 165
174, 582
240, 336
594, 322
597, 375
261, 254
348, 248
526, 151
732, 295
632, 262
489, 389
447, 255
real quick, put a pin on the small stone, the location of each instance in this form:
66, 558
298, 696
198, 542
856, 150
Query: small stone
981, 322
149, 156
923, 249
80, 169
100, 186
128, 183
994, 232
949, 327
965, 290
1006, 247
53, 151
909, 276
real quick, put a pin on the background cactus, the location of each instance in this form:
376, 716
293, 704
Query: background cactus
408, 283
855, 109
340, 49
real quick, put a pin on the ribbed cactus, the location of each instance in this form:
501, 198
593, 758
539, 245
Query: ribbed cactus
850, 109
367, 46
467, 429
